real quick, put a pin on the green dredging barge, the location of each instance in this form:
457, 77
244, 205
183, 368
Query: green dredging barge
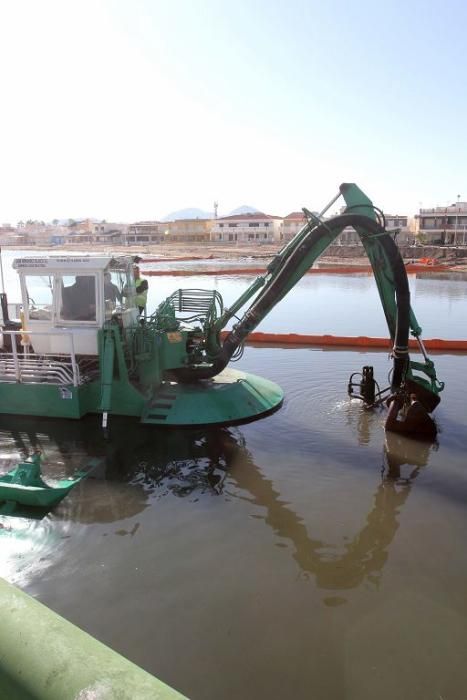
80, 352
82, 347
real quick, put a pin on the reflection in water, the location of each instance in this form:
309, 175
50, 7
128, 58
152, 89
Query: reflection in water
399, 451
25, 545
32, 540
142, 465
363, 420
365, 555
178, 462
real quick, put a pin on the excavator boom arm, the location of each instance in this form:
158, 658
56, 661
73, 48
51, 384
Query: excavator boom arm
295, 259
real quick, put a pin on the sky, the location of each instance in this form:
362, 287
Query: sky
130, 110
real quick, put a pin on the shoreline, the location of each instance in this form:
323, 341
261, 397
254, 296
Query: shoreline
336, 255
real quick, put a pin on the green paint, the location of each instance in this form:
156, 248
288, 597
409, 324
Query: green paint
230, 397
45, 657
23, 485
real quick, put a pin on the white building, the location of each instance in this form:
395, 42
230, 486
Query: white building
96, 233
293, 222
247, 228
145, 232
393, 222
291, 225
443, 225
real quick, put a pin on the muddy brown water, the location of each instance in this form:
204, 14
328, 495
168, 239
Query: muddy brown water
306, 554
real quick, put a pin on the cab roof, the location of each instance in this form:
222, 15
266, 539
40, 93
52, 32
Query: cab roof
67, 263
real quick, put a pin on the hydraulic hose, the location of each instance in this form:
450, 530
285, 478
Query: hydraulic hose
277, 287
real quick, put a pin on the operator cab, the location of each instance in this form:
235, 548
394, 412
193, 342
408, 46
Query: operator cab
66, 300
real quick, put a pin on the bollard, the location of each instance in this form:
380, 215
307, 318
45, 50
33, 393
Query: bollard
45, 657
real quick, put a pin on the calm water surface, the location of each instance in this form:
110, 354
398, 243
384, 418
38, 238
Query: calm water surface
340, 304
306, 554
320, 303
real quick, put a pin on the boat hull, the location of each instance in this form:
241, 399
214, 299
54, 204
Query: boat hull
230, 397
36, 496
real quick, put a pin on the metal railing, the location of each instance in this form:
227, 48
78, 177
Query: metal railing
451, 210
459, 227
30, 368
195, 304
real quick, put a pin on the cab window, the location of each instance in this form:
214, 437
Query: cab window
77, 297
114, 283
39, 290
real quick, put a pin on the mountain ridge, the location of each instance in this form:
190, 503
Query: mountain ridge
195, 213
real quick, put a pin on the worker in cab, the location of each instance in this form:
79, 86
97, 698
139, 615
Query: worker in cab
141, 290
79, 299
111, 291
415, 422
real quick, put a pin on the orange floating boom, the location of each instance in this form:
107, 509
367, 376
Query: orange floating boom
349, 341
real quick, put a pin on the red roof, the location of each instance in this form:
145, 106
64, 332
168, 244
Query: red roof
248, 217
147, 223
297, 215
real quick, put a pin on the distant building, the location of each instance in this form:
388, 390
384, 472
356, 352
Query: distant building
85, 225
290, 226
145, 232
106, 231
247, 228
443, 225
105, 228
93, 233
189, 230
405, 236
57, 239
32, 233
293, 222
12, 236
